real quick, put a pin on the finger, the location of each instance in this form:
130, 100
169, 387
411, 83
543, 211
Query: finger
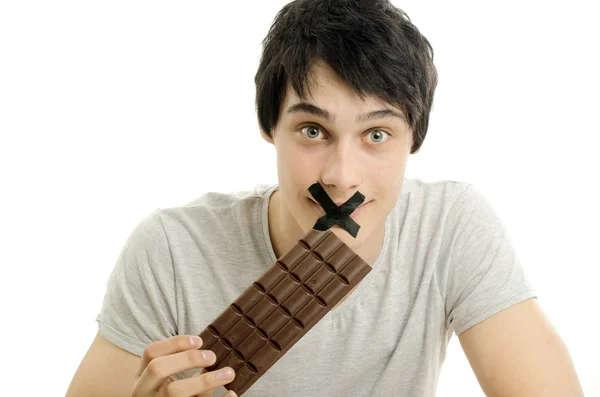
202, 385
208, 393
168, 380
230, 393
160, 368
168, 346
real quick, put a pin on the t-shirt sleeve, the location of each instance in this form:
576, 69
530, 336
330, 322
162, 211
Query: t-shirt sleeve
139, 305
480, 271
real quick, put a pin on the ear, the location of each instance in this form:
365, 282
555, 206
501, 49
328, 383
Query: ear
412, 140
264, 135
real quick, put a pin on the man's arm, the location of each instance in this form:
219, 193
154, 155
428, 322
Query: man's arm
106, 370
517, 352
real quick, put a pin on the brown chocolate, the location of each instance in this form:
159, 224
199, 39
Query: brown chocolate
279, 308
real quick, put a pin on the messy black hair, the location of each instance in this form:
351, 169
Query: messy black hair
371, 44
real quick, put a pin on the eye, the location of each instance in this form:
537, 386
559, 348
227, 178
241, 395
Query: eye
379, 136
310, 131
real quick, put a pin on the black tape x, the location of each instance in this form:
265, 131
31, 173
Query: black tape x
335, 215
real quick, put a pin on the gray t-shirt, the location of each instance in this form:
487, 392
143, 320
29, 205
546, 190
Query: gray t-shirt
447, 263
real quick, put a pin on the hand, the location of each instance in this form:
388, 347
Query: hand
170, 356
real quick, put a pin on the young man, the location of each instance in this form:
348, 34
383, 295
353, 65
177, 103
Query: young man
344, 91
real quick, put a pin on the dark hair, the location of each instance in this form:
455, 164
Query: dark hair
371, 44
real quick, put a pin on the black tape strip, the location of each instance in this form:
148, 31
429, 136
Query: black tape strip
335, 215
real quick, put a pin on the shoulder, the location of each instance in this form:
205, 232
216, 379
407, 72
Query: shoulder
211, 223
439, 189
455, 209
431, 199
219, 201
218, 209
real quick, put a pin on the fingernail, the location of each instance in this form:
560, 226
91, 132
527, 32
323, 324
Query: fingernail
231, 394
207, 355
195, 340
225, 373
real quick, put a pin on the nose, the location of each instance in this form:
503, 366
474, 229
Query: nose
342, 169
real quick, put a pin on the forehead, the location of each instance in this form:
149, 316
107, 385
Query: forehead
325, 86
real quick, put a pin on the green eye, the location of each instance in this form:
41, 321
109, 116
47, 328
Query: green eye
311, 132
378, 136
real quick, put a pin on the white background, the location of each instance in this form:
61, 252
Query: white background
109, 110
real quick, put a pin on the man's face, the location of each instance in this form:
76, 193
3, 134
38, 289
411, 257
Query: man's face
342, 152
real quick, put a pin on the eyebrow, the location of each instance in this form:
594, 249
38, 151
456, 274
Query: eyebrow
305, 107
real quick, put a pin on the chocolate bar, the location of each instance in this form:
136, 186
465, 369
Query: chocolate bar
279, 308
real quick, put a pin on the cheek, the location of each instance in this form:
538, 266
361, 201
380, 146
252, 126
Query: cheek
388, 178
379, 174
298, 166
